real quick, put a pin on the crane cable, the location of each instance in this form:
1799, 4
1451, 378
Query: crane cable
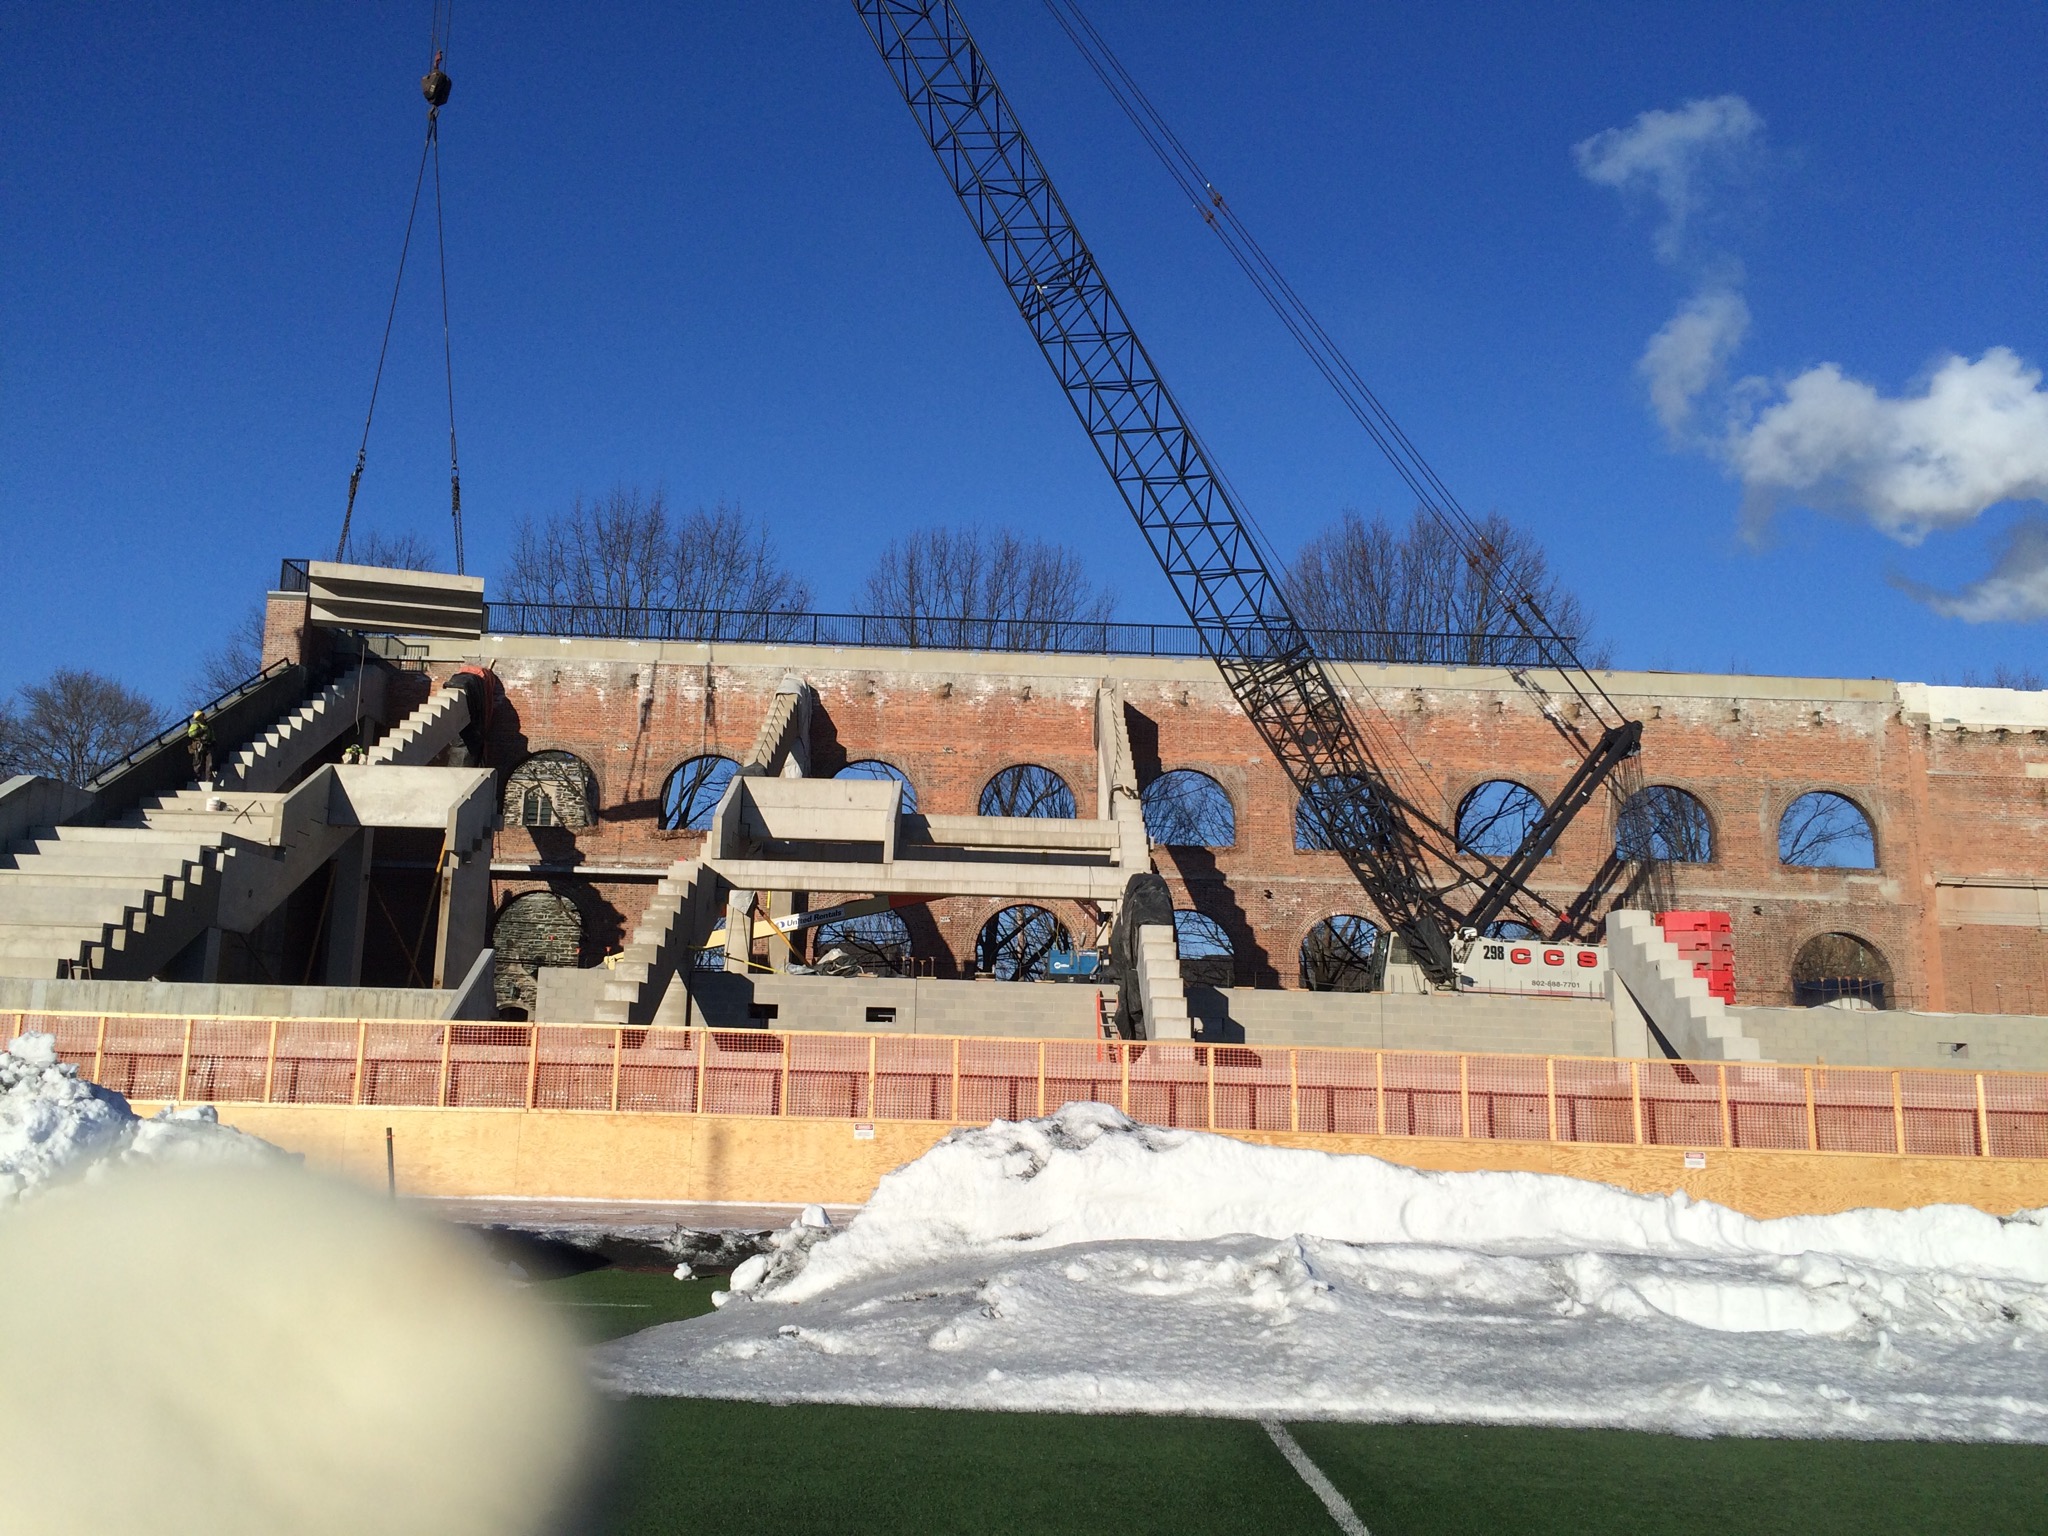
434, 86
1329, 359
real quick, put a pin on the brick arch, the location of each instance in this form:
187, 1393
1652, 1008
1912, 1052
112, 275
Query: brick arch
1717, 851
1778, 805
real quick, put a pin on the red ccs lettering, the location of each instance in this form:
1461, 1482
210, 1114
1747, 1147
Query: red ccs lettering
1518, 957
1588, 959
1553, 957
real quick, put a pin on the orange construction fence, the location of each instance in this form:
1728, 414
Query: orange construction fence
972, 1080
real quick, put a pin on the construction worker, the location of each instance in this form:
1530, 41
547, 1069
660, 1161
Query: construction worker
353, 753
199, 742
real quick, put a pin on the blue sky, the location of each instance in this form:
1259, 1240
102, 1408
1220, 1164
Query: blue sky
704, 248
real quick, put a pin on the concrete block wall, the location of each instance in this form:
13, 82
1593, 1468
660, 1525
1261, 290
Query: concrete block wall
1438, 1022
1868, 1037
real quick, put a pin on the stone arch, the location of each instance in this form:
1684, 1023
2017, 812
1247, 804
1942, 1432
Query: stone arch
1185, 808
1495, 816
875, 768
1207, 957
1344, 953
551, 789
1665, 823
1027, 789
1831, 967
1824, 829
692, 791
1018, 942
533, 929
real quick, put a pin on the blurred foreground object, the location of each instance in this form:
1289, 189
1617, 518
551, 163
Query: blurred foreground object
251, 1349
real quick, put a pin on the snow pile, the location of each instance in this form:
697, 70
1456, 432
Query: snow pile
54, 1125
1084, 1262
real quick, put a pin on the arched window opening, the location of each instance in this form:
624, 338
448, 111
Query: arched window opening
875, 768
692, 792
536, 929
1205, 950
1344, 953
1822, 830
877, 944
1018, 944
1664, 823
1340, 811
1188, 809
551, 789
1027, 790
1495, 818
1839, 967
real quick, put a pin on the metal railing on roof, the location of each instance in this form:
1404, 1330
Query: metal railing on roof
926, 632
737, 626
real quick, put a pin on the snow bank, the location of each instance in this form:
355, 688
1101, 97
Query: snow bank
1087, 1262
54, 1125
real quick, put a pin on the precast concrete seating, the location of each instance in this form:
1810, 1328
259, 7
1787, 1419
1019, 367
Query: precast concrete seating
1161, 992
1649, 979
111, 901
674, 927
270, 761
426, 733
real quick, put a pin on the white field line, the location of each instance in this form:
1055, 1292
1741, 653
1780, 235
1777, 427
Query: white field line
1340, 1511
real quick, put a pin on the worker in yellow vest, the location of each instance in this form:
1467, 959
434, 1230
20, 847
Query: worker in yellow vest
199, 742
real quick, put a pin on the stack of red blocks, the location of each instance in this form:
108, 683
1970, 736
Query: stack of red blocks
1707, 939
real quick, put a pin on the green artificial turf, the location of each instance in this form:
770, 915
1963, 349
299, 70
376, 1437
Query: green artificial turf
1418, 1480
607, 1303
689, 1465
685, 1464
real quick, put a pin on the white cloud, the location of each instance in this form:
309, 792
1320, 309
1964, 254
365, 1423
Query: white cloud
1690, 353
1976, 436
1675, 156
2015, 592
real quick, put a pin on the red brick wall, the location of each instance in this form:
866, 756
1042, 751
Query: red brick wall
1950, 804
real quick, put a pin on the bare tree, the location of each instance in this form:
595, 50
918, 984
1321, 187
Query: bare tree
1185, 808
1823, 830
394, 552
1414, 595
624, 566
968, 587
76, 723
233, 662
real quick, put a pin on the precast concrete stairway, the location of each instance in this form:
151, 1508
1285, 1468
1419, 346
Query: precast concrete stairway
1649, 979
426, 733
116, 901
674, 927
1161, 994
270, 761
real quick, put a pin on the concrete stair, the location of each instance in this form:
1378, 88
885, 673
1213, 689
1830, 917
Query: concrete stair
270, 761
674, 927
109, 901
1651, 980
1161, 993
426, 733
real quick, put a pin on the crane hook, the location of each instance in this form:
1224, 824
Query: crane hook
434, 85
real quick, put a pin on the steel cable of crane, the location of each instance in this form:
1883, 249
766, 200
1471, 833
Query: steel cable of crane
435, 87
1329, 359
355, 478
